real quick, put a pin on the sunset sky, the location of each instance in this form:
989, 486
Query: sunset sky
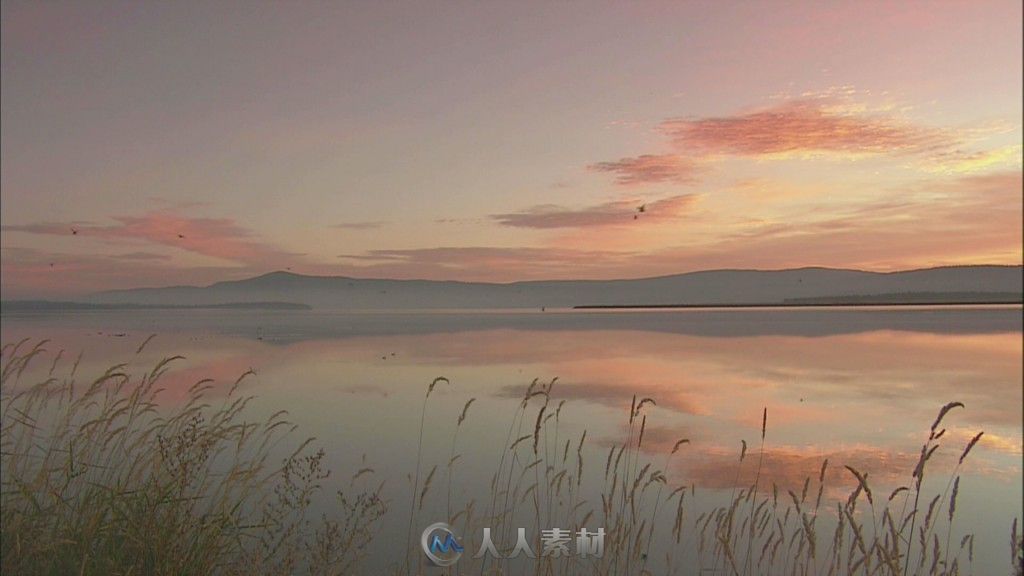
188, 142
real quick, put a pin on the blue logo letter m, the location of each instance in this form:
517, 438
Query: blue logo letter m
437, 546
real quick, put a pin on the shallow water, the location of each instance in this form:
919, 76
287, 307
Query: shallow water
857, 386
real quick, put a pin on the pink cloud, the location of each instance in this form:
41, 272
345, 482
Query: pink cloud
813, 125
788, 468
972, 219
650, 169
216, 237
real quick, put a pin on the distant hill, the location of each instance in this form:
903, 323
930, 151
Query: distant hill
709, 287
896, 299
50, 305
915, 298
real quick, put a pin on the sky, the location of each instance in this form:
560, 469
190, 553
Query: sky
151, 144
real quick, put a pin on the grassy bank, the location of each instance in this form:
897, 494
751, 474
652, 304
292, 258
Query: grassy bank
99, 477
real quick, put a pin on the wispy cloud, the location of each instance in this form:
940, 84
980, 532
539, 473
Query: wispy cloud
616, 213
789, 467
942, 220
220, 238
484, 262
829, 124
371, 225
33, 273
651, 169
140, 256
962, 162
967, 220
972, 219
806, 126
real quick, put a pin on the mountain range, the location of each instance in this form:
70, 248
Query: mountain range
714, 287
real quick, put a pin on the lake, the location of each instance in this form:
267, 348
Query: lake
860, 387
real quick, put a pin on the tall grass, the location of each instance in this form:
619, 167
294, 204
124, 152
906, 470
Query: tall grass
99, 477
756, 532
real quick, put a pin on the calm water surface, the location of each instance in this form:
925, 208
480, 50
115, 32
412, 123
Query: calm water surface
859, 387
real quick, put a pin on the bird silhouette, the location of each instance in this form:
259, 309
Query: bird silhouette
74, 231
642, 208
181, 235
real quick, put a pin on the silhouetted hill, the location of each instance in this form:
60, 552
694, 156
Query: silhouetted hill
708, 287
53, 306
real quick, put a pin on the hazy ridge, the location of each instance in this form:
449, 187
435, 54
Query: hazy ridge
61, 305
707, 287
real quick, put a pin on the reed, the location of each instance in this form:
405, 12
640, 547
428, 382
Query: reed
98, 477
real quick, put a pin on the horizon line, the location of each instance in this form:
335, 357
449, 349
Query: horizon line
286, 272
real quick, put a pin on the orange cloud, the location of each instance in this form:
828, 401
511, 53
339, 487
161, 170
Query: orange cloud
805, 126
960, 162
650, 169
971, 219
789, 467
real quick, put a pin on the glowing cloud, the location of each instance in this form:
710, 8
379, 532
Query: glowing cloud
805, 126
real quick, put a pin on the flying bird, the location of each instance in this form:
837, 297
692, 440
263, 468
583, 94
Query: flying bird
642, 208
74, 231
181, 235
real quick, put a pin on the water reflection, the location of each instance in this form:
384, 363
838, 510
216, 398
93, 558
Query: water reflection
856, 387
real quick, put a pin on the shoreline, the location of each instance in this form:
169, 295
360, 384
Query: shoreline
792, 305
